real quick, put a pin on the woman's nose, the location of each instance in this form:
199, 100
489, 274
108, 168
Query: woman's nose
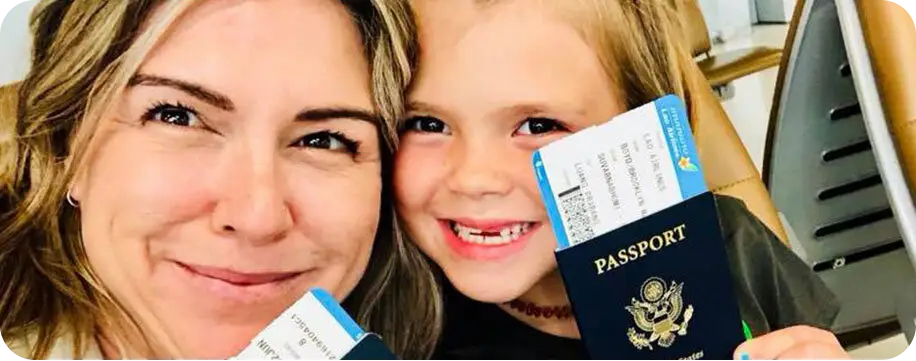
478, 172
253, 205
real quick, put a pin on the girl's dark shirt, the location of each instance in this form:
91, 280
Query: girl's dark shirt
774, 289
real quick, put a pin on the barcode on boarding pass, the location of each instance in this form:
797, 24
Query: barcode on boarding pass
577, 215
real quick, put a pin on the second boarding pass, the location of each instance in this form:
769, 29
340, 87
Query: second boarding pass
608, 175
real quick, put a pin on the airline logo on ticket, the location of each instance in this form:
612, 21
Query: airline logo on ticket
313, 328
609, 175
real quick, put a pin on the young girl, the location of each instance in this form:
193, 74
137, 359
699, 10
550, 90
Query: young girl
499, 79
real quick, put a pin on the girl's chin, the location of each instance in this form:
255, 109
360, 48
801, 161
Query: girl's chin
489, 289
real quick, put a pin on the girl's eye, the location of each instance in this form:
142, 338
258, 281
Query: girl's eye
535, 126
426, 124
178, 115
333, 141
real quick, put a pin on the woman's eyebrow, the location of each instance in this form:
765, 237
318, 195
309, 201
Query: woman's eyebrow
328, 113
211, 97
424, 107
223, 102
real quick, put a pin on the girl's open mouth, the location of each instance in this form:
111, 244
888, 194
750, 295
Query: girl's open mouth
486, 240
493, 236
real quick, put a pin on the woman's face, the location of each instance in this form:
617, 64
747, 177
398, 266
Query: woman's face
240, 168
496, 82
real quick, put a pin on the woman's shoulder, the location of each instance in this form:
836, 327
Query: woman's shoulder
62, 349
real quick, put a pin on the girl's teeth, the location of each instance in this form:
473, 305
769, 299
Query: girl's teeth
506, 235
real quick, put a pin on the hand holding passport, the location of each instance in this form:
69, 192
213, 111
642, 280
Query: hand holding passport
640, 248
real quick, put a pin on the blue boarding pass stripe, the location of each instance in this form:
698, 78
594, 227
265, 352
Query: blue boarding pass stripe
673, 117
337, 312
549, 202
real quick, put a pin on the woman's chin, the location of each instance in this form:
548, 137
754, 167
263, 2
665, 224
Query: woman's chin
217, 345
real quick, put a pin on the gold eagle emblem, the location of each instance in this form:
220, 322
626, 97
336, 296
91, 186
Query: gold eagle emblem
658, 313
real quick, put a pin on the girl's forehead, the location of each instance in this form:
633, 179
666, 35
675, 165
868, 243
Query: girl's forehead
507, 61
456, 17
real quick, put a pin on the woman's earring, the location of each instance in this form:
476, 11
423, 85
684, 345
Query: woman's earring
73, 202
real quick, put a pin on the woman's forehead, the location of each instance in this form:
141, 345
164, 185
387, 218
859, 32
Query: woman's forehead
307, 47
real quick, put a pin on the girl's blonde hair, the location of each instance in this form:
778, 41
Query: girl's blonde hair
84, 53
639, 43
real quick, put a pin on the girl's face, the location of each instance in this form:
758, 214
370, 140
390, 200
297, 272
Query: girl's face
495, 83
240, 168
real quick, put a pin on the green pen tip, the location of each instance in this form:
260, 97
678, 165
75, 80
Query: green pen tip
747, 330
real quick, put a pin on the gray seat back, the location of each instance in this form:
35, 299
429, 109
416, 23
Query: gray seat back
821, 171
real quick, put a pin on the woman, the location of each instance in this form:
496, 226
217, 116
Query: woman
499, 79
182, 172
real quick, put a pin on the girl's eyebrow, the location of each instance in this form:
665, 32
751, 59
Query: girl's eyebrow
524, 109
537, 109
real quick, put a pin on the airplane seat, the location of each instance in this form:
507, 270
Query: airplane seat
890, 40
725, 67
8, 105
890, 37
826, 165
8, 101
727, 166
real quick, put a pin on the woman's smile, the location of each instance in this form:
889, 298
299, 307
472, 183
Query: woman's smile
232, 287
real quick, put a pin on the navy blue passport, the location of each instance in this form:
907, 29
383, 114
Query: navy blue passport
657, 288
370, 347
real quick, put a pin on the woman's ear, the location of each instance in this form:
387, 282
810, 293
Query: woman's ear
77, 186
74, 193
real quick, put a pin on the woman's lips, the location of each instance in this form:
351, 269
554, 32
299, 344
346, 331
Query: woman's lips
221, 287
238, 278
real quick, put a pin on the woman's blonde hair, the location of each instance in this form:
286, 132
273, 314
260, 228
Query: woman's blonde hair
84, 53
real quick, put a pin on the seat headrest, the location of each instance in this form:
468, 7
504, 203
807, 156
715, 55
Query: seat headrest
890, 36
727, 166
693, 24
8, 103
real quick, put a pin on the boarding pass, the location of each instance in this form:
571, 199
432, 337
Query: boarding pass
313, 328
609, 175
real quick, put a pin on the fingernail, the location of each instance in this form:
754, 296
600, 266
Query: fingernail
744, 356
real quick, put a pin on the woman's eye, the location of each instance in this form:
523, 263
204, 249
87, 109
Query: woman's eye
177, 115
427, 125
328, 140
535, 126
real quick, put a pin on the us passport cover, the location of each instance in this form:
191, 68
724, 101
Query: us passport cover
657, 288
370, 347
